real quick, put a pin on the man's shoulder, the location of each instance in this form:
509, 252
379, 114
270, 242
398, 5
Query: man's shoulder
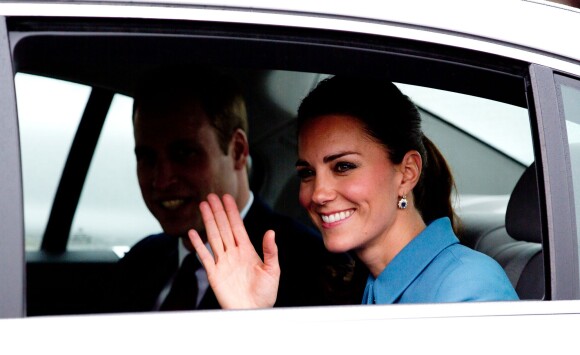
152, 245
264, 217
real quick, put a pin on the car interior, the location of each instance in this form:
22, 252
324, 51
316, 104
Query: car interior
498, 194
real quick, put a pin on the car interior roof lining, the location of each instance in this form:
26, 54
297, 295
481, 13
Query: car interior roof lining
114, 60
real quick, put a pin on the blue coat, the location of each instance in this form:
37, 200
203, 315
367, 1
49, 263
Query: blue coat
434, 267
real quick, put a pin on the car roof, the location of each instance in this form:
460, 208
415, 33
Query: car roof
540, 26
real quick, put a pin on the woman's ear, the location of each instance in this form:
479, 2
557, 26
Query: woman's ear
240, 148
411, 167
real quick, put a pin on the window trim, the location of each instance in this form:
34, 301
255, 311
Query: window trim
12, 279
552, 153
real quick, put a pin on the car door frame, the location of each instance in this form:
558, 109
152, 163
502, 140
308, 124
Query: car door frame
552, 153
12, 271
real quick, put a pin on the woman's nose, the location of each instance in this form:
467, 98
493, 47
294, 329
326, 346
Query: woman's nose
323, 191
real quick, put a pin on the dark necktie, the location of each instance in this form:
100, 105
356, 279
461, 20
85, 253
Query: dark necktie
183, 293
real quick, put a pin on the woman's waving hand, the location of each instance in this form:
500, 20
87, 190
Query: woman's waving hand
237, 275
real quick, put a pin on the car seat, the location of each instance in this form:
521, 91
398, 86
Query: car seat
518, 245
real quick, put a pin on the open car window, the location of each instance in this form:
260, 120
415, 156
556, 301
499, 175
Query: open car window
111, 214
49, 112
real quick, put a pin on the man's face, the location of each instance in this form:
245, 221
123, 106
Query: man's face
179, 161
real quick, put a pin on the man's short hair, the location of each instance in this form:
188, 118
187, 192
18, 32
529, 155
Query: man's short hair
165, 90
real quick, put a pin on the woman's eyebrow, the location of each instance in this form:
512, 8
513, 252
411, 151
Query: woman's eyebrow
326, 159
332, 157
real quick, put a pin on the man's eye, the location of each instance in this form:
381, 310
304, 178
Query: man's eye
304, 173
181, 154
344, 167
144, 157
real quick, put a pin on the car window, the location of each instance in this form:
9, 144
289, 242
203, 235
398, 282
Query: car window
49, 112
495, 140
111, 214
480, 118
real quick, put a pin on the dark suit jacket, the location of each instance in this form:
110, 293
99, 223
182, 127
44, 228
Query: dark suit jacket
308, 271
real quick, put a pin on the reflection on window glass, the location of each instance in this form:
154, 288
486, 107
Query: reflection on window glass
111, 213
49, 112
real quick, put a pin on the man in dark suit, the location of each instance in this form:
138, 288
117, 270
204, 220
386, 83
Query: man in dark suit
190, 130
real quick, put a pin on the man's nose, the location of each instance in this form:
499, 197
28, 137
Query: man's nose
164, 174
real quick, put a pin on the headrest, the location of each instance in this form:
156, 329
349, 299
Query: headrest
522, 219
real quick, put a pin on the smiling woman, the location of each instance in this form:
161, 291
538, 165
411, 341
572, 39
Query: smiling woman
374, 185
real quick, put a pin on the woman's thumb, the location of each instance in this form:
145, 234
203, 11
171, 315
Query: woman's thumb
271, 253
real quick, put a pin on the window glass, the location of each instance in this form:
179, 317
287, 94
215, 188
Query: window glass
480, 118
495, 140
111, 212
49, 112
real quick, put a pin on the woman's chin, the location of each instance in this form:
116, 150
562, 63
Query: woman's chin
336, 247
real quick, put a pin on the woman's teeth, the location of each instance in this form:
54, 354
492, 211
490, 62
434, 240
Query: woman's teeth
335, 217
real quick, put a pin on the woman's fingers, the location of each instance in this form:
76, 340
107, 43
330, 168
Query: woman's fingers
223, 224
211, 229
205, 256
222, 219
236, 272
235, 221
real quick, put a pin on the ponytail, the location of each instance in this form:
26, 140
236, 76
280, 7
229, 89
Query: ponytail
434, 191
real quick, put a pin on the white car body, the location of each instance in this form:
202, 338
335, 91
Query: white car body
539, 32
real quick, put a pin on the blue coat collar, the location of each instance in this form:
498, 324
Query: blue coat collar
410, 262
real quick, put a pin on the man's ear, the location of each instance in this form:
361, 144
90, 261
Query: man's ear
240, 148
411, 167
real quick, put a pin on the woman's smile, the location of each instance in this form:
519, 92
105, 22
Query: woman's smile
337, 216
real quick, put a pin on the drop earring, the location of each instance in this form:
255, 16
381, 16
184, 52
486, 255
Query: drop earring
402, 204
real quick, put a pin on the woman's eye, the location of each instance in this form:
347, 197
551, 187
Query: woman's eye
304, 173
344, 167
